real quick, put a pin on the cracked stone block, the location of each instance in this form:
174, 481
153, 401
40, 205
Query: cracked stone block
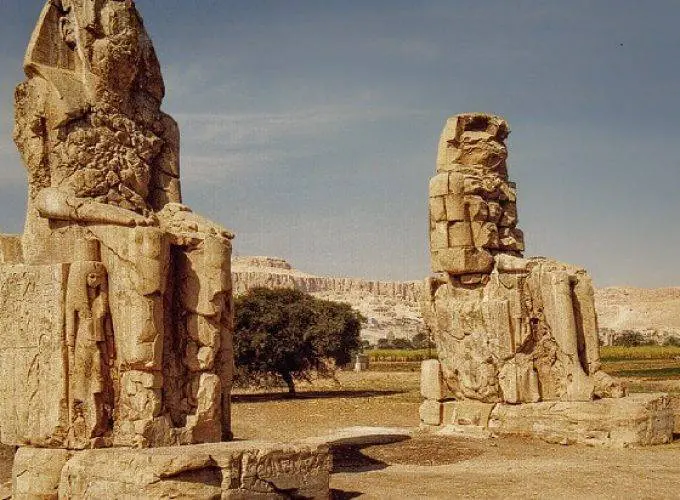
431, 412
32, 367
508, 329
220, 470
634, 420
36, 473
431, 381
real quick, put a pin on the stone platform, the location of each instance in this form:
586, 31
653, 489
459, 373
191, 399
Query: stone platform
237, 470
634, 420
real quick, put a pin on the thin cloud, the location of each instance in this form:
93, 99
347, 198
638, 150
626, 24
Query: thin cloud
237, 142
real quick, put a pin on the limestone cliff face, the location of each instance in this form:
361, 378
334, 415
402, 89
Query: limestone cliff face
391, 307
654, 312
278, 273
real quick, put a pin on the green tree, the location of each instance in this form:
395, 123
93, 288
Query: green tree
287, 333
401, 343
630, 338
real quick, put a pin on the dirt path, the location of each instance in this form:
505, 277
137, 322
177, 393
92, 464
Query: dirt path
371, 398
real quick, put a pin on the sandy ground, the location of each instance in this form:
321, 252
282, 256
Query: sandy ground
515, 468
494, 468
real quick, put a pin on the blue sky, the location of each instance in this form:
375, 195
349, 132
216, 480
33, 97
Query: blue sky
310, 127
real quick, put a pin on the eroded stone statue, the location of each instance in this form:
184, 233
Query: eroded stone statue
140, 283
508, 329
116, 302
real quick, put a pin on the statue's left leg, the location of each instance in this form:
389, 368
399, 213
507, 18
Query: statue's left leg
586, 322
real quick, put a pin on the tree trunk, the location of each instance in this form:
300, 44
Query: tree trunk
288, 379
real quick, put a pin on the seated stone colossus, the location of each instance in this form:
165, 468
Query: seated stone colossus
116, 325
508, 329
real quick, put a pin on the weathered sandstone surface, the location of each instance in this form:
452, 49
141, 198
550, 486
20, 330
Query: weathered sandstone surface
517, 338
220, 470
636, 420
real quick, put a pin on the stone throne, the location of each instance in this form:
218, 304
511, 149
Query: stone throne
116, 325
510, 331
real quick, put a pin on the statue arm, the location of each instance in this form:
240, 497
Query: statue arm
165, 184
53, 203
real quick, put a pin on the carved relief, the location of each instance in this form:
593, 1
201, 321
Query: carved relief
91, 352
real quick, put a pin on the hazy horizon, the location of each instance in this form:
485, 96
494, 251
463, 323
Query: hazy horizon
310, 128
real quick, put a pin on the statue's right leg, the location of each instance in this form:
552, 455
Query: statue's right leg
137, 262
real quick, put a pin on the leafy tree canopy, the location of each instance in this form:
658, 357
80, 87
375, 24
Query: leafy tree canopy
288, 333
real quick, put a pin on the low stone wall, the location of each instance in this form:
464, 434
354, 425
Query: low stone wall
634, 420
221, 470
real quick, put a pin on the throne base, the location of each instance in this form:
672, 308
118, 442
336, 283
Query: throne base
240, 470
634, 420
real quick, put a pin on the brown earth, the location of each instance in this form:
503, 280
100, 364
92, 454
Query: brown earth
438, 467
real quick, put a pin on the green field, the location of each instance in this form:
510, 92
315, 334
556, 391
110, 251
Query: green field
639, 353
606, 353
643, 362
400, 355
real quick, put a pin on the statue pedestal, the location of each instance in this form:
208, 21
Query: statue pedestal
244, 469
634, 420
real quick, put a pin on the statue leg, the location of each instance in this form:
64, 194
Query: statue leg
137, 262
586, 318
561, 315
204, 295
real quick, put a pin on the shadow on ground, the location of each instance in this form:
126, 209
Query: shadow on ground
284, 396
344, 495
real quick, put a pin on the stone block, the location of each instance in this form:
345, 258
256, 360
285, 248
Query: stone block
431, 412
439, 237
437, 209
675, 407
467, 413
512, 239
460, 235
457, 184
10, 249
36, 473
458, 261
509, 192
455, 207
473, 185
32, 351
485, 235
435, 265
495, 211
635, 420
509, 217
478, 208
439, 185
221, 470
472, 279
431, 380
